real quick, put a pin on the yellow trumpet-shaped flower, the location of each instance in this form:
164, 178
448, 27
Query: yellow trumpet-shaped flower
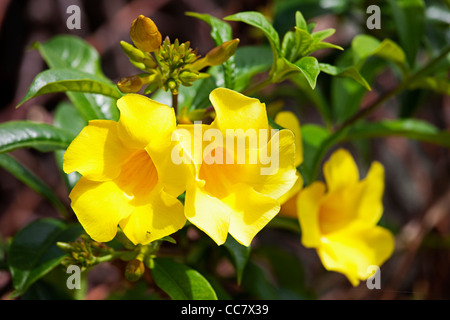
128, 178
236, 189
340, 219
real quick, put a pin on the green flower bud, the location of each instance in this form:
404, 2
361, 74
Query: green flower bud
134, 270
187, 77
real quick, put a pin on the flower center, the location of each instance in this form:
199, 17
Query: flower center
138, 175
338, 209
219, 177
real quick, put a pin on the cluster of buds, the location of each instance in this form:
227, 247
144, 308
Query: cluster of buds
165, 64
84, 252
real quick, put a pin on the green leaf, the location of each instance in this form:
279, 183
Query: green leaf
249, 61
259, 21
239, 254
70, 52
62, 80
350, 72
27, 134
309, 66
33, 252
313, 137
409, 18
365, 46
181, 282
300, 21
296, 44
68, 118
23, 174
439, 85
323, 34
408, 128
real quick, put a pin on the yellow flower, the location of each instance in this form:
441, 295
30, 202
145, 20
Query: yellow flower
288, 120
341, 222
128, 178
236, 195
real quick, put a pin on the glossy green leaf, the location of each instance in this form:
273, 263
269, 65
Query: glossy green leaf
23, 174
249, 61
313, 136
71, 52
66, 51
62, 80
296, 44
300, 21
33, 252
258, 20
181, 282
239, 255
409, 18
315, 149
309, 66
27, 134
439, 85
349, 72
408, 128
365, 46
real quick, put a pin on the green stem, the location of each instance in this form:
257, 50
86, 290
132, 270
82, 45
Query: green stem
175, 103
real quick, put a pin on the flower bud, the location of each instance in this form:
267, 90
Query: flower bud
145, 34
141, 60
132, 84
218, 55
134, 270
187, 77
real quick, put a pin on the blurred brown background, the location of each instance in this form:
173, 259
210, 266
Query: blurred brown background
417, 196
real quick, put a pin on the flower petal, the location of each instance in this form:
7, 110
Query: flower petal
371, 204
277, 177
340, 170
236, 111
160, 216
143, 119
97, 152
208, 213
288, 120
353, 250
251, 212
99, 207
308, 206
